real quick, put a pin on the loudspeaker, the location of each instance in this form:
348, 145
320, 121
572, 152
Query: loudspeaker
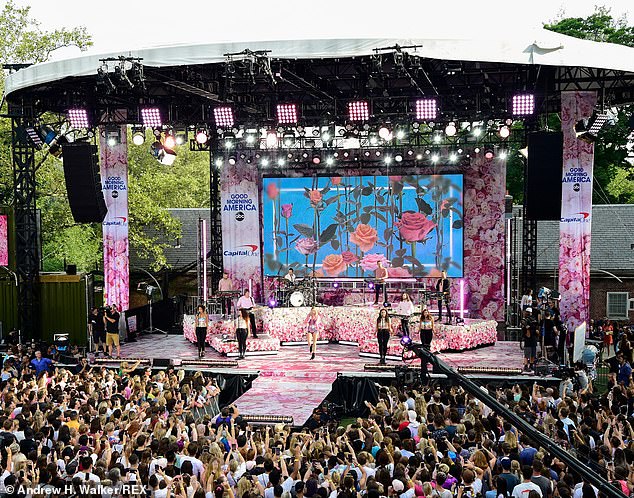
543, 182
83, 182
161, 362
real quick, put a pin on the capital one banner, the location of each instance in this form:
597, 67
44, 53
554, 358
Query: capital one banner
114, 182
576, 211
241, 248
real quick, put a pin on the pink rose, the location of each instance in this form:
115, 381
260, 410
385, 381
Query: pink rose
272, 191
414, 227
364, 236
333, 265
369, 261
315, 197
287, 210
306, 246
398, 272
336, 180
349, 257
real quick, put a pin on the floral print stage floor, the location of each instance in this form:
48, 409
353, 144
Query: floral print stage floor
290, 379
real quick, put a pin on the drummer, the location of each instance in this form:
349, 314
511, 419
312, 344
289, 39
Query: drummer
290, 276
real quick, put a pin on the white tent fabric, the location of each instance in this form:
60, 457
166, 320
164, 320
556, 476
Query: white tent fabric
540, 47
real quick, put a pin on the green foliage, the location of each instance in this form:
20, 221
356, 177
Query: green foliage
600, 27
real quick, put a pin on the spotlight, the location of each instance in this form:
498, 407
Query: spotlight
358, 110
34, 136
251, 136
450, 129
104, 81
202, 136
400, 134
453, 157
398, 158
288, 138
523, 104
385, 133
272, 302
151, 117
326, 136
138, 136
163, 154
373, 138
504, 131
219, 162
387, 159
476, 150
437, 138
121, 77
477, 132
264, 161
48, 134
435, 158
330, 161
335, 285
588, 129
419, 157
78, 118
426, 109
170, 140
406, 341
287, 113
316, 159
229, 143
181, 137
271, 140
223, 117
502, 154
113, 135
366, 153
281, 161
232, 160
488, 154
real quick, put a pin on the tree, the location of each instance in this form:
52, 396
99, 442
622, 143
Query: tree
613, 174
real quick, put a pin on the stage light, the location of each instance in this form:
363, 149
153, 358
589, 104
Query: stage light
202, 136
437, 138
103, 79
48, 134
477, 131
181, 137
335, 285
588, 129
316, 159
330, 161
377, 153
406, 341
504, 131
281, 161
387, 159
223, 117
450, 129
271, 140
373, 139
488, 154
426, 109
400, 134
502, 154
385, 133
113, 135
229, 143
163, 154
523, 104
289, 138
272, 302
370, 285
435, 158
358, 110
398, 158
476, 150
287, 113
138, 136
34, 136
232, 161
219, 162
151, 117
419, 157
170, 140
325, 136
264, 161
78, 118
366, 153
453, 157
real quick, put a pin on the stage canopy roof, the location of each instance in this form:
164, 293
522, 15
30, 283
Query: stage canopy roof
472, 77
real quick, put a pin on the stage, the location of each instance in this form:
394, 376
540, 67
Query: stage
351, 325
290, 379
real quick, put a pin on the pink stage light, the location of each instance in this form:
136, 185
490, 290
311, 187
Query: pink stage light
151, 117
488, 154
170, 141
223, 116
287, 113
78, 118
462, 296
358, 110
426, 109
523, 104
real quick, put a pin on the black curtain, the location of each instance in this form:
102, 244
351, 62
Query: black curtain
351, 393
232, 387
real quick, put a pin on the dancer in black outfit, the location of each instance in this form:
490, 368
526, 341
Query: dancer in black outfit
202, 320
443, 285
383, 332
242, 327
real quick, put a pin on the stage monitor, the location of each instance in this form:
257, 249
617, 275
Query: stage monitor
342, 226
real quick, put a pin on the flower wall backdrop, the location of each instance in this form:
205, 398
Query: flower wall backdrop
485, 188
343, 226
114, 182
576, 211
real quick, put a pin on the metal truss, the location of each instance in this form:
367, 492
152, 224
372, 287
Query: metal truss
27, 254
215, 225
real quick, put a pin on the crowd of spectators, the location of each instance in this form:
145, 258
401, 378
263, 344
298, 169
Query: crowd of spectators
92, 431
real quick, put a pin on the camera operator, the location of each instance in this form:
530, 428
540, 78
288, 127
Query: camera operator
111, 320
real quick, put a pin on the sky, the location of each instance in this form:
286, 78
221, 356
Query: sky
117, 25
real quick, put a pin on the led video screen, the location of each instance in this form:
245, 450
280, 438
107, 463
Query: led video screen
342, 226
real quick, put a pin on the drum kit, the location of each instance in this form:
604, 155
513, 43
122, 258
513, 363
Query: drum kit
299, 293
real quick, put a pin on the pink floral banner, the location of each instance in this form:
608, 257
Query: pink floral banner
114, 181
576, 210
241, 247
4, 240
485, 188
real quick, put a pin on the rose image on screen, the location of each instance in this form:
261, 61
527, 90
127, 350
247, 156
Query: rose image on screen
341, 226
